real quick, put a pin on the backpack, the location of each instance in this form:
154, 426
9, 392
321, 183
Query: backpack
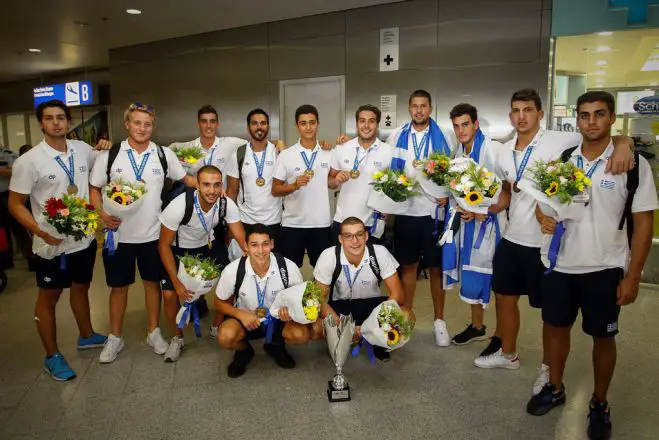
632, 186
240, 275
372, 261
168, 185
189, 207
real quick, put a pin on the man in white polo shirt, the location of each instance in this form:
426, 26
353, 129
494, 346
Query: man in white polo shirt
187, 228
135, 159
246, 290
301, 178
350, 274
353, 164
599, 263
54, 167
250, 176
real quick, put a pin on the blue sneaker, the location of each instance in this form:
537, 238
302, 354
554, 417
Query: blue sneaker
94, 341
57, 368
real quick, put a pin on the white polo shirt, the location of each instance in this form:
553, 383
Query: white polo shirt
259, 205
247, 295
221, 151
143, 226
307, 207
365, 283
38, 174
422, 204
594, 242
354, 193
523, 228
193, 235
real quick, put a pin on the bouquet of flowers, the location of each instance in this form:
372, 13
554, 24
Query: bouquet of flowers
474, 188
197, 274
388, 326
435, 175
303, 302
121, 199
391, 192
70, 218
191, 157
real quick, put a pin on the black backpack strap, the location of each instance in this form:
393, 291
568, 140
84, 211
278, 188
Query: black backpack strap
240, 276
283, 269
222, 208
163, 160
337, 270
112, 156
373, 261
240, 156
566, 154
632, 186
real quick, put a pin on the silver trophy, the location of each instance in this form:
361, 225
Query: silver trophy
339, 338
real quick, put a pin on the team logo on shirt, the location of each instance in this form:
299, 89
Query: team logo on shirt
119, 170
324, 164
607, 184
246, 163
269, 163
52, 176
220, 160
346, 160
610, 328
82, 168
243, 294
366, 283
157, 171
297, 168
378, 164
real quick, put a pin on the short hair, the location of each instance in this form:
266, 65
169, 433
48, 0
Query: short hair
24, 149
369, 108
259, 228
464, 109
258, 111
139, 107
211, 169
206, 109
527, 95
595, 96
53, 103
351, 221
420, 94
306, 109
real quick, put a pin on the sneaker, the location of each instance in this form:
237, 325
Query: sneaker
381, 353
58, 369
240, 361
542, 380
157, 342
212, 333
280, 355
599, 420
470, 334
492, 347
546, 400
94, 341
111, 350
176, 346
442, 338
497, 360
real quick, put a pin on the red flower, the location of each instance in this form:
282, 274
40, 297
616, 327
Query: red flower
53, 205
90, 207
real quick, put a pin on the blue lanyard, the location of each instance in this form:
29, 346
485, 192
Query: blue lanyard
259, 166
260, 294
70, 172
307, 162
525, 160
419, 148
202, 219
210, 159
355, 165
133, 163
346, 272
592, 169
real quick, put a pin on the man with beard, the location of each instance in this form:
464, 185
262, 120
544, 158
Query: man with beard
353, 164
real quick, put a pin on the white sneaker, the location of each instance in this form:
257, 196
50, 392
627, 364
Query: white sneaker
212, 333
176, 346
497, 360
111, 349
156, 341
542, 380
442, 338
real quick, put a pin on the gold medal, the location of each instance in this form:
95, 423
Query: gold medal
210, 244
72, 189
516, 188
260, 312
308, 173
260, 181
416, 163
354, 174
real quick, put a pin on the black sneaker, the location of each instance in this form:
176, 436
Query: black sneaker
470, 334
240, 361
280, 355
546, 400
381, 353
599, 420
493, 346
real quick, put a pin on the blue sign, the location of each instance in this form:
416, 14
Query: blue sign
647, 106
72, 94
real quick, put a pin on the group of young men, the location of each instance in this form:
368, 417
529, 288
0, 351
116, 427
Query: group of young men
278, 198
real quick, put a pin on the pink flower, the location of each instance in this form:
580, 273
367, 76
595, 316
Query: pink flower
551, 169
452, 184
129, 198
116, 188
63, 212
430, 167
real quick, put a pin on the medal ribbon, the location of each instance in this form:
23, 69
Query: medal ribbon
138, 171
259, 166
592, 169
70, 172
202, 219
525, 160
351, 282
210, 158
425, 143
307, 162
260, 294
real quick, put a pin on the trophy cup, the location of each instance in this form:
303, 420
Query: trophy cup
339, 338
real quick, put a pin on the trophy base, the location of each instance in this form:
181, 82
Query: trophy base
334, 395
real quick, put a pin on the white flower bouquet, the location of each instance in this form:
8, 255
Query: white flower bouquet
391, 192
303, 302
473, 187
388, 326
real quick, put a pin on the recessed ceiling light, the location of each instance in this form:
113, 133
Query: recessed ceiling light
81, 23
133, 11
605, 33
599, 80
602, 63
599, 72
603, 49
654, 84
599, 85
34, 50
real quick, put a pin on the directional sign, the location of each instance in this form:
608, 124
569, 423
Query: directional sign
72, 94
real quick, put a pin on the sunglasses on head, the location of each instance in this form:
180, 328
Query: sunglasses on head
140, 106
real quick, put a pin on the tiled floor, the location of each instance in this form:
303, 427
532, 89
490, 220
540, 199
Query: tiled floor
424, 392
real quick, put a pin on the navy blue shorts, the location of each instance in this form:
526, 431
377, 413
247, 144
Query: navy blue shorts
79, 269
259, 333
416, 237
517, 270
360, 309
293, 242
120, 267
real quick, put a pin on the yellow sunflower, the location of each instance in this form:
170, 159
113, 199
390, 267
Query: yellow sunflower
579, 176
474, 198
191, 159
587, 181
393, 337
118, 197
378, 175
552, 190
311, 313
